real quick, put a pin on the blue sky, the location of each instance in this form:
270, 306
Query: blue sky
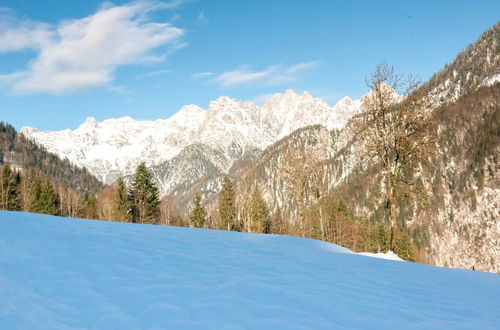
62, 61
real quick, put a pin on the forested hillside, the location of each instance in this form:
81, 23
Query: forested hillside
476, 66
22, 153
450, 206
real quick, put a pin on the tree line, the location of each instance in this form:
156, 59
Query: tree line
32, 191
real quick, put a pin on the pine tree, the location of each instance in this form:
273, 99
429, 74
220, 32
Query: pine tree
370, 239
9, 189
404, 247
44, 198
259, 214
121, 203
384, 238
145, 202
199, 214
90, 201
227, 206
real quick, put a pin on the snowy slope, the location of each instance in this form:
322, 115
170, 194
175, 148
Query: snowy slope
60, 273
389, 255
114, 147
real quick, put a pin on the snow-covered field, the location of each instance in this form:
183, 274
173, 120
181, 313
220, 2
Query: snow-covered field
58, 273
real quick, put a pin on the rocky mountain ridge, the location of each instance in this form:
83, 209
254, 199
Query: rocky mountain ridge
230, 128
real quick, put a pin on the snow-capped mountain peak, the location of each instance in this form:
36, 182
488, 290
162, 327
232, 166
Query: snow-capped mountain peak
90, 122
113, 147
345, 101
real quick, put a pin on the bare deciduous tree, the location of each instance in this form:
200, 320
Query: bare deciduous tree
304, 173
393, 129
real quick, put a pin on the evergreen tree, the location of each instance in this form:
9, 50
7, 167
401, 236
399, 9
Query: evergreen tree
121, 204
90, 201
227, 205
384, 238
9, 189
337, 222
44, 198
145, 202
404, 247
199, 214
370, 239
259, 214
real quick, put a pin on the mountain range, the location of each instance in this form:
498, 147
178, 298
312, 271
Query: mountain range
216, 138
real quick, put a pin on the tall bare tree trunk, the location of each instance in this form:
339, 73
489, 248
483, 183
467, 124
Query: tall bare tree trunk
321, 222
392, 213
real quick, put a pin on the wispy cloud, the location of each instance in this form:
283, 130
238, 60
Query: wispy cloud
153, 74
242, 75
273, 75
202, 75
85, 53
302, 67
119, 89
170, 4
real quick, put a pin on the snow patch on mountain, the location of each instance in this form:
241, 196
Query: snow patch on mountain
491, 80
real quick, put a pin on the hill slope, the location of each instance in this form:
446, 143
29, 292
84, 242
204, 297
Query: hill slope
453, 212
67, 273
23, 153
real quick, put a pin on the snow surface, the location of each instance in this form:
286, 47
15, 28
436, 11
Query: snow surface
60, 273
389, 255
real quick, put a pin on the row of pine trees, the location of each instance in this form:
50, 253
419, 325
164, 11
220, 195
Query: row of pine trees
31, 191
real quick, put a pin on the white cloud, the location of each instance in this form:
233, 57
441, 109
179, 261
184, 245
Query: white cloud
273, 75
85, 53
8, 79
202, 75
35, 36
